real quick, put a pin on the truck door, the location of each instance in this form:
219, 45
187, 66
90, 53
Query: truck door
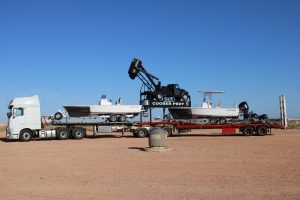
17, 120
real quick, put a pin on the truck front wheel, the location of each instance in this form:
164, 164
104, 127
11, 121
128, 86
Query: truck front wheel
25, 135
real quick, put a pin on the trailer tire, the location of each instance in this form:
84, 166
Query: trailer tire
213, 120
122, 118
261, 131
247, 130
141, 132
223, 120
25, 135
62, 133
113, 118
78, 133
58, 116
169, 131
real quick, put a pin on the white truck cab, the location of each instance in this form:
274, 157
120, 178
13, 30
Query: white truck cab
24, 117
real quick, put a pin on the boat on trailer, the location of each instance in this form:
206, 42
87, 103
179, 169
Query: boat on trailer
116, 112
206, 110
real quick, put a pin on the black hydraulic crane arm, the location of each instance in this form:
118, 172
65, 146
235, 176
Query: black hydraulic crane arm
136, 69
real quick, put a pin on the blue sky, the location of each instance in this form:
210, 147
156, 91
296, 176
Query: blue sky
71, 52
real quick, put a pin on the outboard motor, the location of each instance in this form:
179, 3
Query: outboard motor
251, 116
244, 109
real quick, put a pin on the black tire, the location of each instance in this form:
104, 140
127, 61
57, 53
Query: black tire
62, 133
25, 135
184, 96
113, 118
58, 116
141, 132
223, 120
247, 130
78, 133
169, 131
122, 118
213, 120
261, 131
159, 96
263, 121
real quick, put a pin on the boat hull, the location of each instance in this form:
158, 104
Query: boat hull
96, 110
198, 113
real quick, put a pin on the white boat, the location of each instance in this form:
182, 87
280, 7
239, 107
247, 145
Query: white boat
206, 110
105, 107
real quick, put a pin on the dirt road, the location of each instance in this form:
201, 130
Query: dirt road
113, 167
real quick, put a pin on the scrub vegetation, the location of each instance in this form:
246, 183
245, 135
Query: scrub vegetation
2, 128
294, 124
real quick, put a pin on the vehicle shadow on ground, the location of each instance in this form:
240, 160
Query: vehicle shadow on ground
213, 135
137, 148
6, 140
108, 136
206, 135
131, 136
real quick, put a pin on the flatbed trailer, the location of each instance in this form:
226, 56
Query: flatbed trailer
25, 123
172, 127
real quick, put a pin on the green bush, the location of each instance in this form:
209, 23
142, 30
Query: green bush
294, 124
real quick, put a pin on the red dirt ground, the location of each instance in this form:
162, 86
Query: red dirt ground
112, 167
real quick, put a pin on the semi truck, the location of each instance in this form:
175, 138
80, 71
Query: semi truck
25, 122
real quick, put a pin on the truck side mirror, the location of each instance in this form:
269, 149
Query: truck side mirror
9, 114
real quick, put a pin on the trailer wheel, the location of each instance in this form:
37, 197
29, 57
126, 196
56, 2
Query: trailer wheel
122, 118
169, 131
247, 130
78, 133
58, 116
113, 118
261, 130
141, 132
62, 133
213, 120
223, 120
25, 135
